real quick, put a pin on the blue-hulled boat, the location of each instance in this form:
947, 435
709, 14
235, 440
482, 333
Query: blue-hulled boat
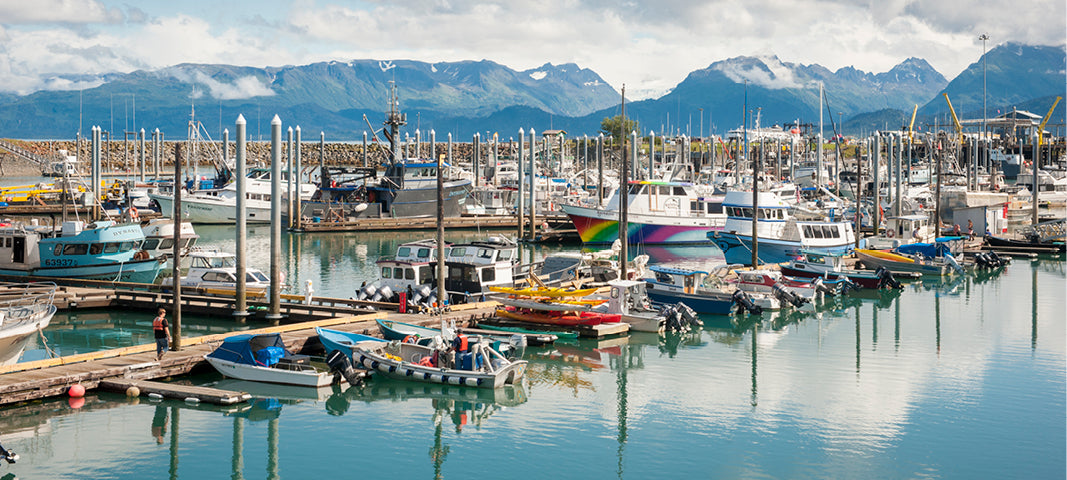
673, 285
343, 342
103, 250
393, 330
782, 237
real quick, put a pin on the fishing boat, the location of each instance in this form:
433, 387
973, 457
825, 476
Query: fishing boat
219, 205
23, 316
412, 271
781, 237
263, 358
408, 189
672, 285
459, 363
103, 250
657, 212
905, 264
478, 267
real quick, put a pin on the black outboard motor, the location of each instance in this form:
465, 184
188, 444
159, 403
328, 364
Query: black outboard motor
887, 279
1000, 262
341, 365
847, 285
744, 302
689, 316
824, 288
8, 455
787, 296
673, 321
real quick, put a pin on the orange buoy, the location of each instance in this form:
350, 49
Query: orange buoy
76, 390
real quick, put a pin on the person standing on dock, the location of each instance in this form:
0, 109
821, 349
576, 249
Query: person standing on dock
161, 328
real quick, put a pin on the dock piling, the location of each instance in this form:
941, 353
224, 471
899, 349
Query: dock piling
240, 310
276, 218
176, 253
295, 198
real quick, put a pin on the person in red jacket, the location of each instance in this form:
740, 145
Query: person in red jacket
161, 328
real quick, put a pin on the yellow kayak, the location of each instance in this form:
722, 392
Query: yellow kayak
885, 255
550, 292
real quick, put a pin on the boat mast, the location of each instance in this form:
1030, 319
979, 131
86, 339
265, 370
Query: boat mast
394, 120
624, 194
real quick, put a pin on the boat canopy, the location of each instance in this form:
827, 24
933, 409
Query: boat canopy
263, 349
926, 249
675, 271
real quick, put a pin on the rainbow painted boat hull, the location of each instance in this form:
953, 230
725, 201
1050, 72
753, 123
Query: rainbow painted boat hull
602, 227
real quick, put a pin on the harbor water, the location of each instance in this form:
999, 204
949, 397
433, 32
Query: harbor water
956, 378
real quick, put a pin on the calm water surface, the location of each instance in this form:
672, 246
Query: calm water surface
956, 379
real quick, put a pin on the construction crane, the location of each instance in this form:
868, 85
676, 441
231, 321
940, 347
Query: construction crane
911, 125
1041, 128
955, 120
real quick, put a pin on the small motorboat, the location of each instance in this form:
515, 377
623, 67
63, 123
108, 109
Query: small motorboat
671, 285
897, 263
830, 266
263, 358
509, 345
456, 363
23, 317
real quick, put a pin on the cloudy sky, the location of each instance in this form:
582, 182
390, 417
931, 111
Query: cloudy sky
648, 45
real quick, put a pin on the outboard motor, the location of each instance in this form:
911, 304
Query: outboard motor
8, 455
386, 293
341, 365
787, 296
367, 291
887, 279
673, 321
847, 285
1000, 262
824, 288
689, 316
744, 302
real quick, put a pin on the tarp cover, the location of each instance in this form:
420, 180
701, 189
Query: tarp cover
242, 348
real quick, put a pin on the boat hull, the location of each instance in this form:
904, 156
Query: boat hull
374, 357
737, 248
865, 280
210, 210
135, 271
717, 304
898, 264
15, 334
257, 373
602, 227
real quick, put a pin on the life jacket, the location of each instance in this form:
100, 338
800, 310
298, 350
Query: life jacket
460, 343
157, 323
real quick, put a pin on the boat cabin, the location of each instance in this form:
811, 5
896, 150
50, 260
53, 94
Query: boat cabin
628, 296
682, 280
474, 267
217, 269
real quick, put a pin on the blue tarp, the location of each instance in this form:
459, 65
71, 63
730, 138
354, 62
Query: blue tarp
926, 249
245, 349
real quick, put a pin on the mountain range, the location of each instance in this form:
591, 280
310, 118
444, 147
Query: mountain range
343, 99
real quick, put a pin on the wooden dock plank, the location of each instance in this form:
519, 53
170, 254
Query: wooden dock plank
45, 378
176, 391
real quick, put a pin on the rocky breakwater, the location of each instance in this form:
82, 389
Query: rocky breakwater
121, 156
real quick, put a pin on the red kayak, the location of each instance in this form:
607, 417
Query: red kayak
558, 318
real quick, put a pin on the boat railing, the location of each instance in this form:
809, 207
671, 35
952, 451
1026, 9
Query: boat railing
19, 301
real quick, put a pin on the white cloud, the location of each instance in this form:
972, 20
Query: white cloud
649, 46
57, 11
241, 88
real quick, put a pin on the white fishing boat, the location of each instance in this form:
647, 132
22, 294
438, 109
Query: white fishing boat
219, 206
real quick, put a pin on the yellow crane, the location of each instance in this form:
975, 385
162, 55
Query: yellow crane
1041, 128
955, 120
911, 125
